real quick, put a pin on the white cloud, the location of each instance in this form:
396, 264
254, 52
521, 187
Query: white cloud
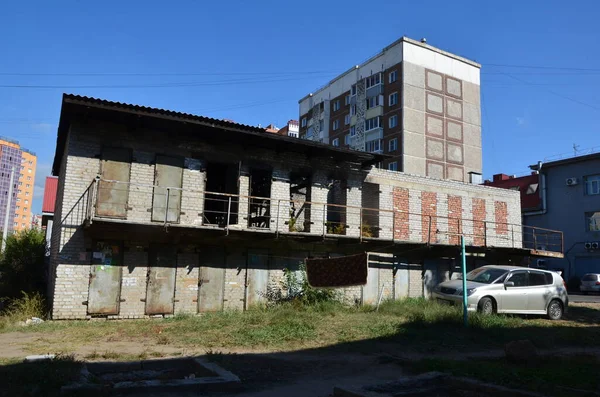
42, 127
521, 121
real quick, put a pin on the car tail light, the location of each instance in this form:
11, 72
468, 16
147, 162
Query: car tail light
597, 282
565, 284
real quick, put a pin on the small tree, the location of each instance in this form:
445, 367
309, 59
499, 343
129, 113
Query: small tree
22, 265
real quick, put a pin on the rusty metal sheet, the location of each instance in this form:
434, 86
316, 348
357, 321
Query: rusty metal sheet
160, 289
257, 276
211, 285
168, 173
105, 280
112, 196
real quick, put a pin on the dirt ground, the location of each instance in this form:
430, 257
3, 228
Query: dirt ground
265, 373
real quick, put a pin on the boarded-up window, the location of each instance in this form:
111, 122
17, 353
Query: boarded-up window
166, 203
113, 188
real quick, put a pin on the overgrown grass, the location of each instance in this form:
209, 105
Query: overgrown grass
412, 324
28, 306
555, 376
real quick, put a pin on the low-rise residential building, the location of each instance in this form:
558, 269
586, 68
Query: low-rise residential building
569, 191
160, 212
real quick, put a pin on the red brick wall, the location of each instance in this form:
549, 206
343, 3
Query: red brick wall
479, 222
429, 209
501, 217
454, 219
401, 230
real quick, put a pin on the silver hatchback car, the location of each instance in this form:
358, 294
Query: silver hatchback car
590, 283
509, 289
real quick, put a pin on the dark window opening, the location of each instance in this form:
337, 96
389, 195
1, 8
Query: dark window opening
299, 202
260, 191
221, 202
336, 207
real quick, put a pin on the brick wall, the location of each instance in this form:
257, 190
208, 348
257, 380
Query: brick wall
401, 228
429, 217
455, 215
479, 215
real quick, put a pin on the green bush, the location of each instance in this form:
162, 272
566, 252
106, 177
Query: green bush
22, 264
295, 288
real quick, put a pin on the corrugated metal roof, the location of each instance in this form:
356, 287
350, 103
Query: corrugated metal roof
149, 110
50, 190
72, 104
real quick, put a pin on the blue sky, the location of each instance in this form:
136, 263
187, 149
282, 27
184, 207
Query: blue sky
251, 61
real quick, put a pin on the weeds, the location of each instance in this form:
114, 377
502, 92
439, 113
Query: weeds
28, 306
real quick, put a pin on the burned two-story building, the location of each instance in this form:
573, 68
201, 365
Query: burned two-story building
160, 212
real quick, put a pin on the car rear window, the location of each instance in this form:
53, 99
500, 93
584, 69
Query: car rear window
539, 278
590, 277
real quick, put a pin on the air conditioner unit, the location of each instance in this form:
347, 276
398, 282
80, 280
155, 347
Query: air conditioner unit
572, 181
588, 246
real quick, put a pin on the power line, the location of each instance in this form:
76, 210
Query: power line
554, 93
171, 74
166, 85
542, 67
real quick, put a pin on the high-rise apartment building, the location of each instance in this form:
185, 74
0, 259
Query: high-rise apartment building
412, 101
24, 162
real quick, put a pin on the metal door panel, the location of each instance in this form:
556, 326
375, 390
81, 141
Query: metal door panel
212, 281
258, 276
371, 290
160, 293
112, 196
105, 280
401, 281
168, 173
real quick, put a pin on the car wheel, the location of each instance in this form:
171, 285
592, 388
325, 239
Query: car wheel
555, 310
486, 306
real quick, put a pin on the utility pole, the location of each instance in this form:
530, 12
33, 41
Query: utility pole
7, 215
464, 280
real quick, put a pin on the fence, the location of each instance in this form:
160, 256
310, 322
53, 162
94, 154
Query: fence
172, 206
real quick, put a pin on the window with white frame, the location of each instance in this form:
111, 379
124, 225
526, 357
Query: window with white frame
26, 201
347, 139
374, 101
370, 124
352, 110
16, 224
374, 145
336, 124
353, 90
393, 76
593, 221
347, 119
393, 145
321, 124
393, 99
393, 121
303, 121
352, 131
336, 142
22, 225
336, 105
347, 100
592, 185
373, 80
393, 166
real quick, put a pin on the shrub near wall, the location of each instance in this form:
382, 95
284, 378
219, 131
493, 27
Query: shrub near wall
22, 267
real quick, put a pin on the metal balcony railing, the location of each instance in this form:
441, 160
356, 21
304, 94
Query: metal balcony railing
137, 203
